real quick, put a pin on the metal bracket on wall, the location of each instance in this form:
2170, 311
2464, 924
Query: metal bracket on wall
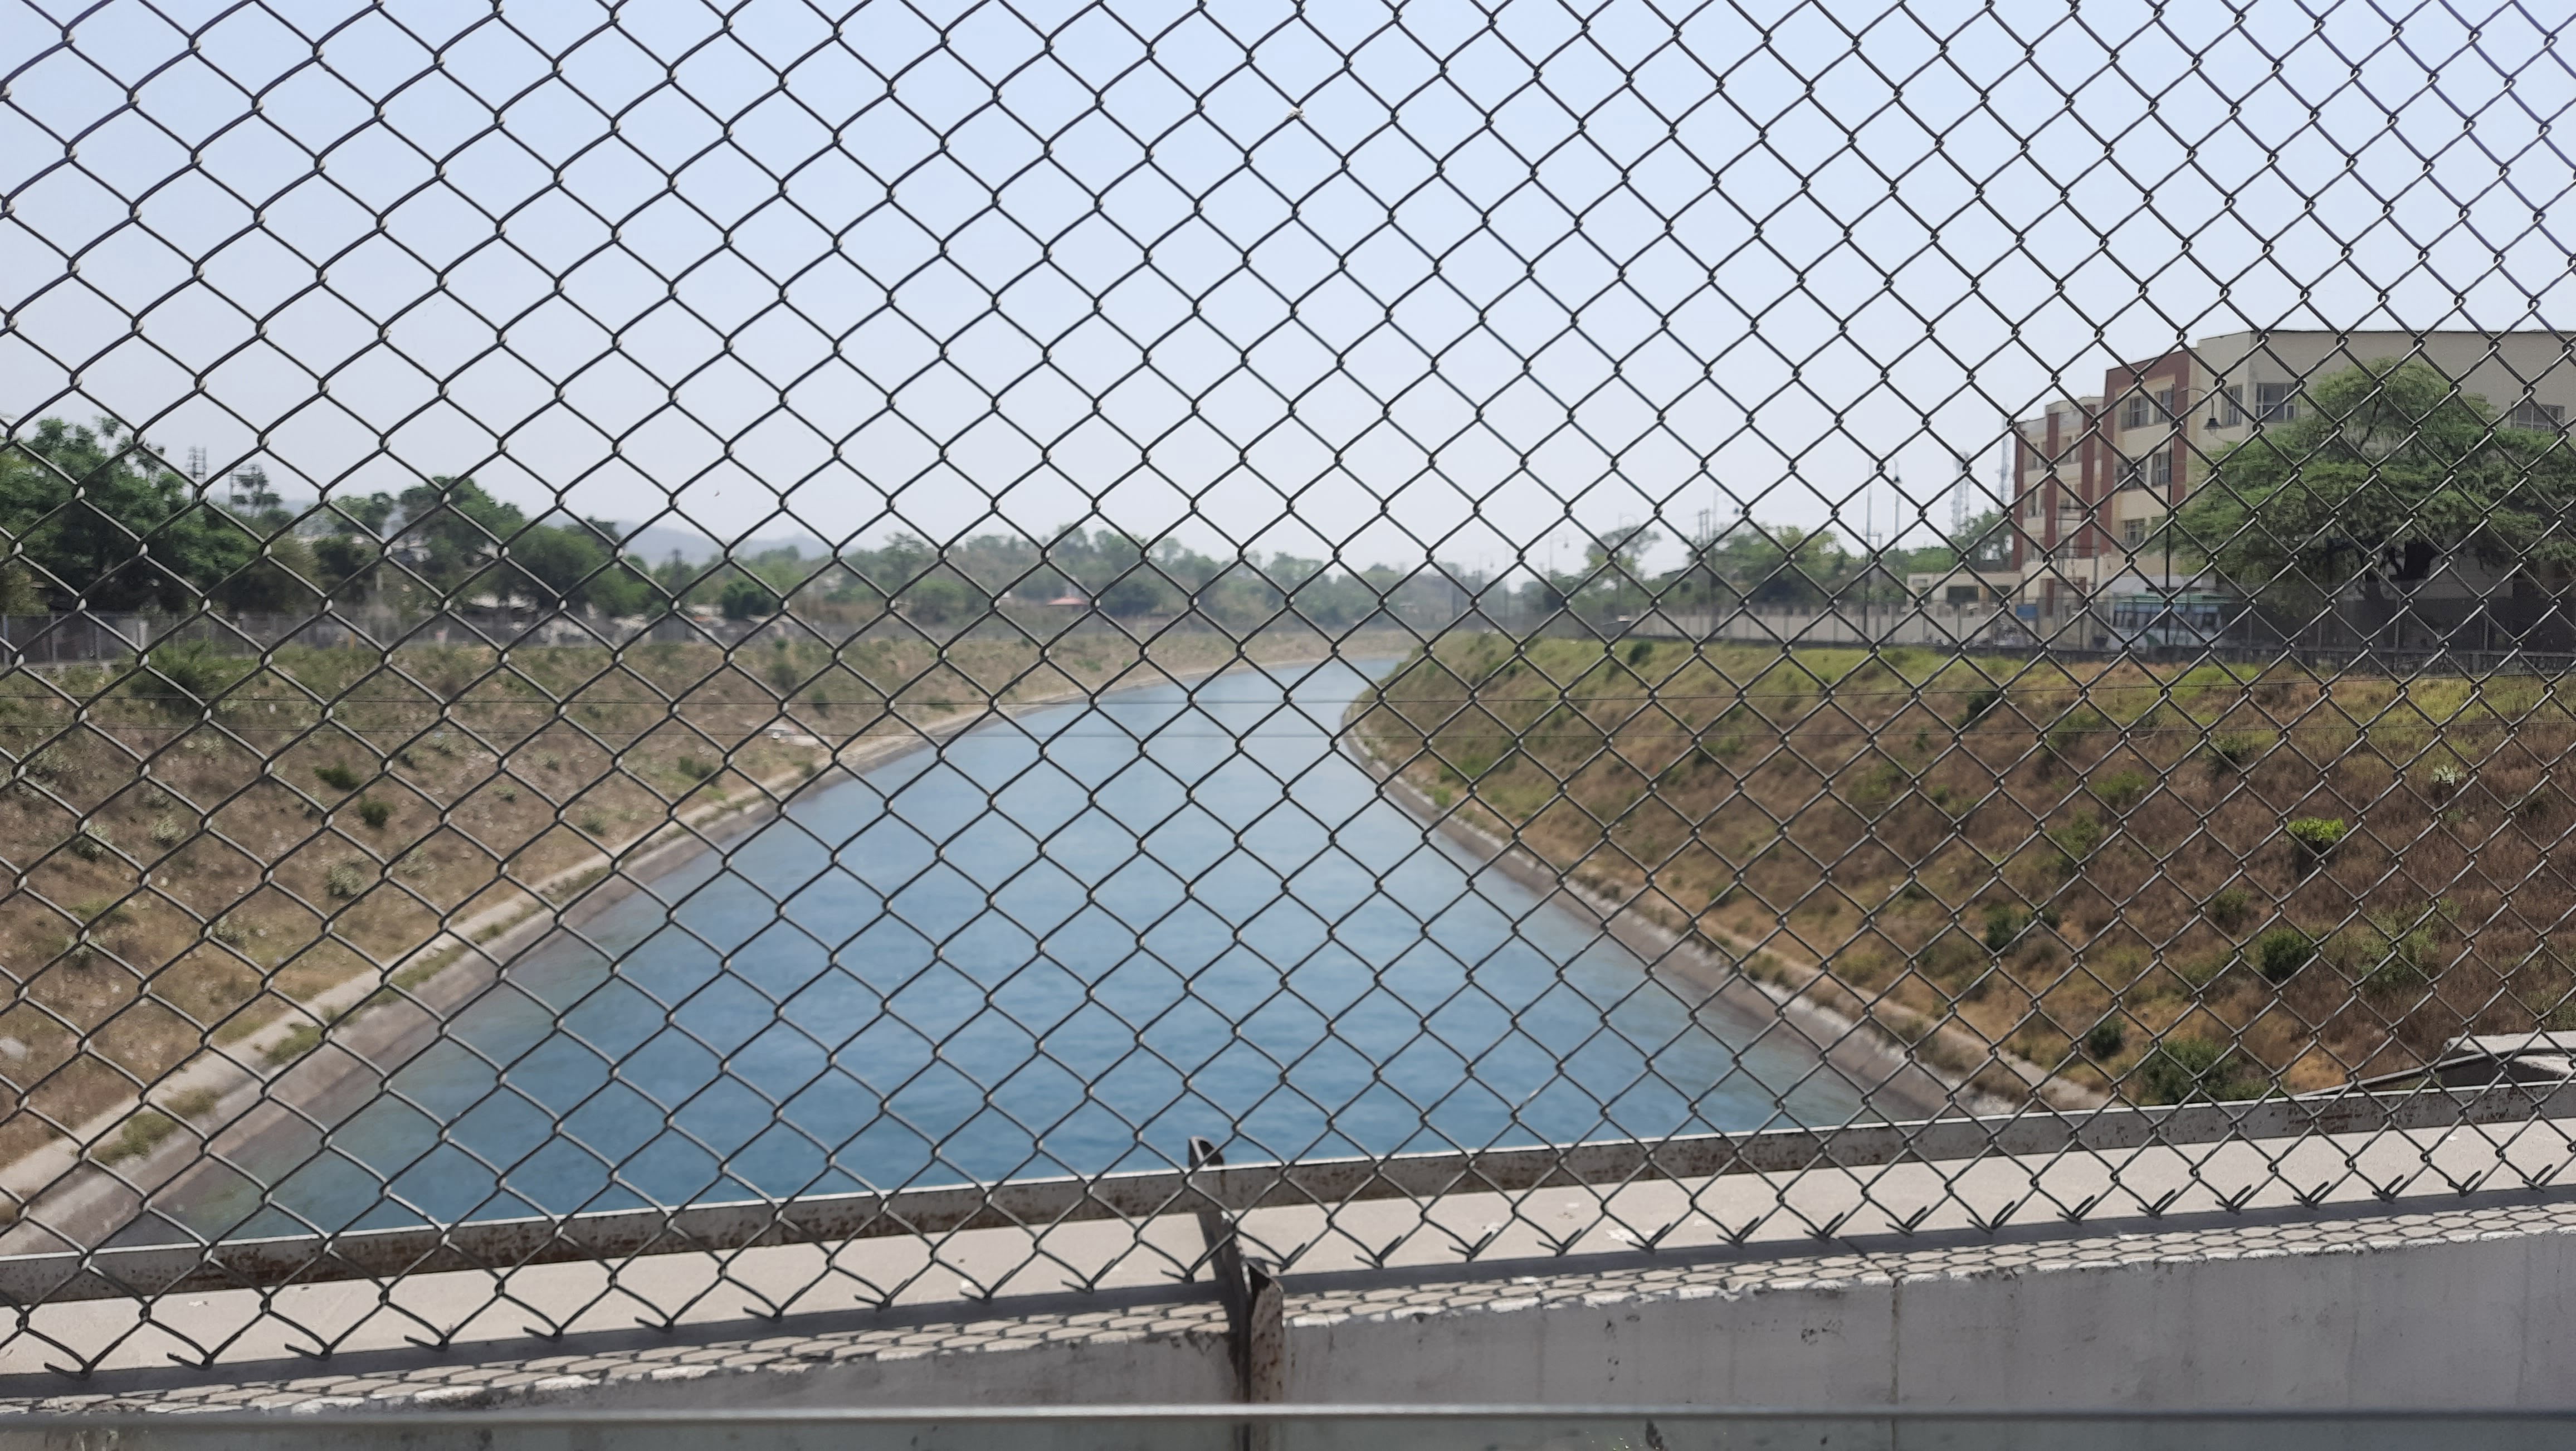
1255, 1327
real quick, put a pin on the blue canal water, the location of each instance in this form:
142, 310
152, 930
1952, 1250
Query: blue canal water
1057, 945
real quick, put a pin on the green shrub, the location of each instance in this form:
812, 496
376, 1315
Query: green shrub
337, 776
137, 1136
2070, 732
2229, 909
2123, 789
696, 768
375, 813
1719, 746
100, 913
345, 880
167, 832
2281, 952
2184, 1068
1880, 783
91, 844
2398, 952
2079, 836
2233, 753
1638, 651
2106, 1038
2004, 925
299, 1040
1979, 703
191, 675
2316, 837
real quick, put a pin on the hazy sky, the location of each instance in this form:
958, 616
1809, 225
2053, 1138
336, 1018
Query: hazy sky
1335, 277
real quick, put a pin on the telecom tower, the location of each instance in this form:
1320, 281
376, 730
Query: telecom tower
196, 463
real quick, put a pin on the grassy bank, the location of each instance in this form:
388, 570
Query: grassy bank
2158, 882
200, 847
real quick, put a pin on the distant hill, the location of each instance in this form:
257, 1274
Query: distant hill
657, 542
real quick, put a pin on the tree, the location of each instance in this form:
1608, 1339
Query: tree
351, 545
472, 543
277, 580
1138, 592
745, 598
576, 564
1778, 565
1983, 542
101, 524
2388, 468
459, 529
942, 598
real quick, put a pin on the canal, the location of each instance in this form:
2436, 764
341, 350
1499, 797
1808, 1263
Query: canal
1058, 945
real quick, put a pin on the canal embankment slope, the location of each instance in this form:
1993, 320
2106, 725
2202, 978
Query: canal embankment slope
297, 1078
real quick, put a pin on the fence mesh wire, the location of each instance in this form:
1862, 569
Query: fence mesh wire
817, 632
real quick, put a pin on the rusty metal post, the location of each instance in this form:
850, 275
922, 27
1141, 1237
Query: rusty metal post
1224, 1255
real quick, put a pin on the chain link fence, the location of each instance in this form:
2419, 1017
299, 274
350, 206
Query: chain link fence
817, 635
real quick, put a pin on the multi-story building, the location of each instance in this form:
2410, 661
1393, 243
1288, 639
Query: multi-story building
2094, 477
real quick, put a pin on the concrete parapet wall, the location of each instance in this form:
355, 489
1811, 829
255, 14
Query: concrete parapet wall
2467, 1305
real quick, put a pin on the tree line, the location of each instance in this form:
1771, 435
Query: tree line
91, 517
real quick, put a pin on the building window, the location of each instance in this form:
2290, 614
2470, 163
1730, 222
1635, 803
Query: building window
2133, 532
2227, 407
2276, 402
2164, 405
2128, 473
2160, 469
2547, 417
1961, 594
2133, 411
2034, 505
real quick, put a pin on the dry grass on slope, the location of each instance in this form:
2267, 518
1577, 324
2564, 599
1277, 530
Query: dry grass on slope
2163, 882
